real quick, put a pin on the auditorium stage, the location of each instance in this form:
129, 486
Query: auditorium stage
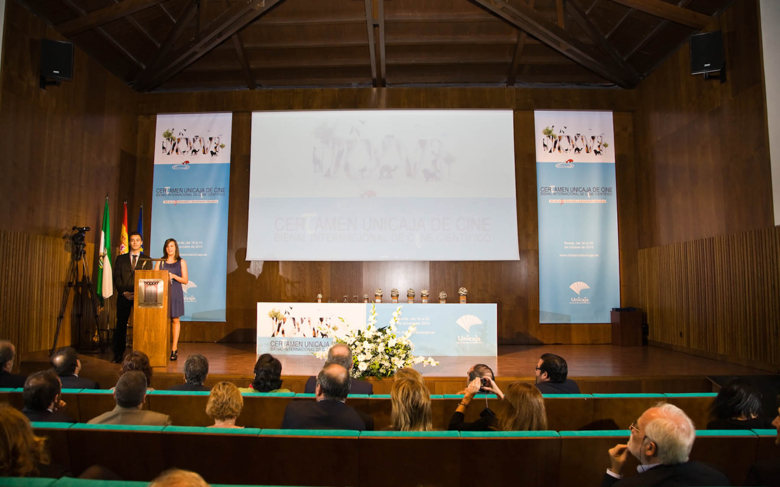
597, 368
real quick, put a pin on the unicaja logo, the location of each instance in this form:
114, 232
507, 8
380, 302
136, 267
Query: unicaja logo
466, 322
578, 287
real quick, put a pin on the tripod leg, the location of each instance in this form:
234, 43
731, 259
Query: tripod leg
94, 302
73, 275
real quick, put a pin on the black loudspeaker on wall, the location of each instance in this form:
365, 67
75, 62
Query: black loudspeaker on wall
56, 62
707, 55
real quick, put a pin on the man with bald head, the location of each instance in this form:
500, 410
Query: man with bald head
7, 355
328, 412
342, 355
661, 439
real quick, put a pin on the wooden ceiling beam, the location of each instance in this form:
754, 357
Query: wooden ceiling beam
103, 16
203, 13
560, 12
522, 38
579, 16
218, 30
110, 39
661, 25
241, 53
629, 13
670, 12
177, 30
140, 28
525, 18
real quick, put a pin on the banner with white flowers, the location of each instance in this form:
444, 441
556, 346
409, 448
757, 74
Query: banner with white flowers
439, 330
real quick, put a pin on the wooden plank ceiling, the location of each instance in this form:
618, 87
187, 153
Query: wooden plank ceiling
188, 45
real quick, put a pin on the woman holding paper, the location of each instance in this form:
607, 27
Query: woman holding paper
177, 270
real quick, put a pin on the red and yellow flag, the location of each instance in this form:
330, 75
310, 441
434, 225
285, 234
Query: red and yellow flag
123, 247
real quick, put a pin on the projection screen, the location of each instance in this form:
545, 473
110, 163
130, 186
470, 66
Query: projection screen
382, 185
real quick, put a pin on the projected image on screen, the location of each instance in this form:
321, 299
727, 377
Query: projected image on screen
382, 185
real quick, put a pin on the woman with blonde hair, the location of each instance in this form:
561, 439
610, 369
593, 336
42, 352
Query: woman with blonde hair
22, 454
523, 409
411, 403
408, 373
224, 406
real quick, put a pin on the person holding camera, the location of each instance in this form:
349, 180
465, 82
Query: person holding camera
487, 418
125, 266
523, 409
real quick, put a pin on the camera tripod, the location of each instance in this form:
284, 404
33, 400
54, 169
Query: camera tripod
77, 255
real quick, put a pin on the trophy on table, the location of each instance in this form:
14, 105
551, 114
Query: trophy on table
394, 295
410, 296
378, 296
462, 292
442, 297
424, 295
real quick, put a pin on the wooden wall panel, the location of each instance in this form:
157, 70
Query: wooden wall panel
718, 296
68, 147
702, 146
513, 285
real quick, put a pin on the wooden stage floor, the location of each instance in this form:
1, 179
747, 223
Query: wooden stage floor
598, 368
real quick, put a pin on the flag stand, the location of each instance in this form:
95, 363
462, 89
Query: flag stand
78, 252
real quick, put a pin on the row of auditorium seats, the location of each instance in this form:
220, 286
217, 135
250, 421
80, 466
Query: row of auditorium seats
73, 482
375, 458
564, 412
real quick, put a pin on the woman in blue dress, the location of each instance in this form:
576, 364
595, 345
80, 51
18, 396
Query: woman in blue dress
177, 270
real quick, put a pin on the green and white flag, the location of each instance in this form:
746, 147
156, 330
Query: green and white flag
105, 284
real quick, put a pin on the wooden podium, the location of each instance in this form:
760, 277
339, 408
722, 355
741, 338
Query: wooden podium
152, 316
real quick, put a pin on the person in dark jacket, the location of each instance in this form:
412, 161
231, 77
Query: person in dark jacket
196, 369
342, 355
661, 439
7, 355
738, 407
329, 410
67, 365
551, 376
42, 398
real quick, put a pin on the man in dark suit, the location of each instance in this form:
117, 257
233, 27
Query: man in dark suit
7, 355
551, 376
328, 412
661, 439
124, 269
67, 365
42, 398
130, 394
342, 355
196, 369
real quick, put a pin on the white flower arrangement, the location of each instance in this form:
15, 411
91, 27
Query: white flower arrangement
378, 352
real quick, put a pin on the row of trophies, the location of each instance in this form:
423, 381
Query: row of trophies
462, 293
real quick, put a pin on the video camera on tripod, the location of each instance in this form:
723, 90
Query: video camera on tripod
78, 242
78, 251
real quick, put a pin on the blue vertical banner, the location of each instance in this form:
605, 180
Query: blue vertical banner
190, 204
579, 261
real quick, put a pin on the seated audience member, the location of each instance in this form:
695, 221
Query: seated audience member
224, 406
767, 472
737, 407
342, 355
22, 454
196, 369
130, 394
411, 406
268, 375
551, 373
139, 361
178, 478
408, 373
42, 398
523, 411
328, 411
476, 372
7, 355
67, 365
661, 439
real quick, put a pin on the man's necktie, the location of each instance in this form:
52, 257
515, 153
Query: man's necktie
135, 260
